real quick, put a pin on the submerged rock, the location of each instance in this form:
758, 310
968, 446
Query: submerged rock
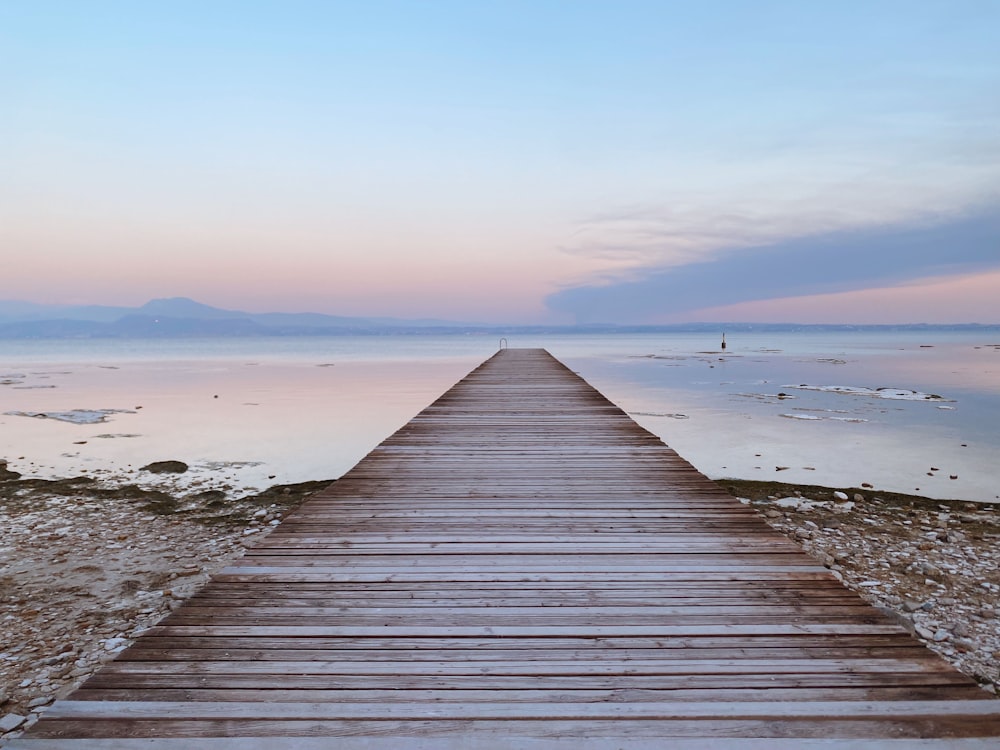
6, 474
166, 467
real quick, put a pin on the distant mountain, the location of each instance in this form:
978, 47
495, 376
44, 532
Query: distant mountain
15, 311
180, 317
182, 307
183, 317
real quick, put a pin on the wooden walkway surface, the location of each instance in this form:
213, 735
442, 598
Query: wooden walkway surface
523, 566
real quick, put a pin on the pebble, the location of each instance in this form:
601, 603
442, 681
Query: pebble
963, 645
115, 644
10, 722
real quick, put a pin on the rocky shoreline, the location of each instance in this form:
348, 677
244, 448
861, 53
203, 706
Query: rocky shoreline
86, 566
933, 565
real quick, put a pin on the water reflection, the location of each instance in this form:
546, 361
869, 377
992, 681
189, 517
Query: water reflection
250, 413
811, 411
266, 423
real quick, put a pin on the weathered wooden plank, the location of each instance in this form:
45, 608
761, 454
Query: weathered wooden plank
178, 652
431, 594
530, 666
432, 570
505, 742
860, 710
411, 680
537, 695
604, 601
694, 609
949, 725
527, 631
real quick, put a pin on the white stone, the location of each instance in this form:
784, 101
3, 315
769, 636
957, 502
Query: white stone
115, 644
10, 722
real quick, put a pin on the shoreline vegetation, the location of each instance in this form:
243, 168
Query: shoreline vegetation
87, 565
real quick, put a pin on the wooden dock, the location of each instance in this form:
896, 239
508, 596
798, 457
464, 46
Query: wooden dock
523, 566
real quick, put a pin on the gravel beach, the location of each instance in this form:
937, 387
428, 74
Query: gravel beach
933, 565
85, 567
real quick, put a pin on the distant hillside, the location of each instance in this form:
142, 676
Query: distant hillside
180, 317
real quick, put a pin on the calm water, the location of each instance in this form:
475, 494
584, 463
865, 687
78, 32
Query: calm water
253, 412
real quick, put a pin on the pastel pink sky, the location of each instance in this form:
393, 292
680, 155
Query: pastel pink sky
497, 162
949, 300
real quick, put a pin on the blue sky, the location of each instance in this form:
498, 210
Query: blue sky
523, 161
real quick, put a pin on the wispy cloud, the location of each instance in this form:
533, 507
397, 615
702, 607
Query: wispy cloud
687, 275
676, 235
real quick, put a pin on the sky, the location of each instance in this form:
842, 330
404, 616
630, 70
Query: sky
545, 161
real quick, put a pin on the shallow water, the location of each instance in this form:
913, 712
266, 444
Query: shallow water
737, 423
248, 413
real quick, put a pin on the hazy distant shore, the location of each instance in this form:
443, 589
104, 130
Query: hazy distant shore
180, 317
